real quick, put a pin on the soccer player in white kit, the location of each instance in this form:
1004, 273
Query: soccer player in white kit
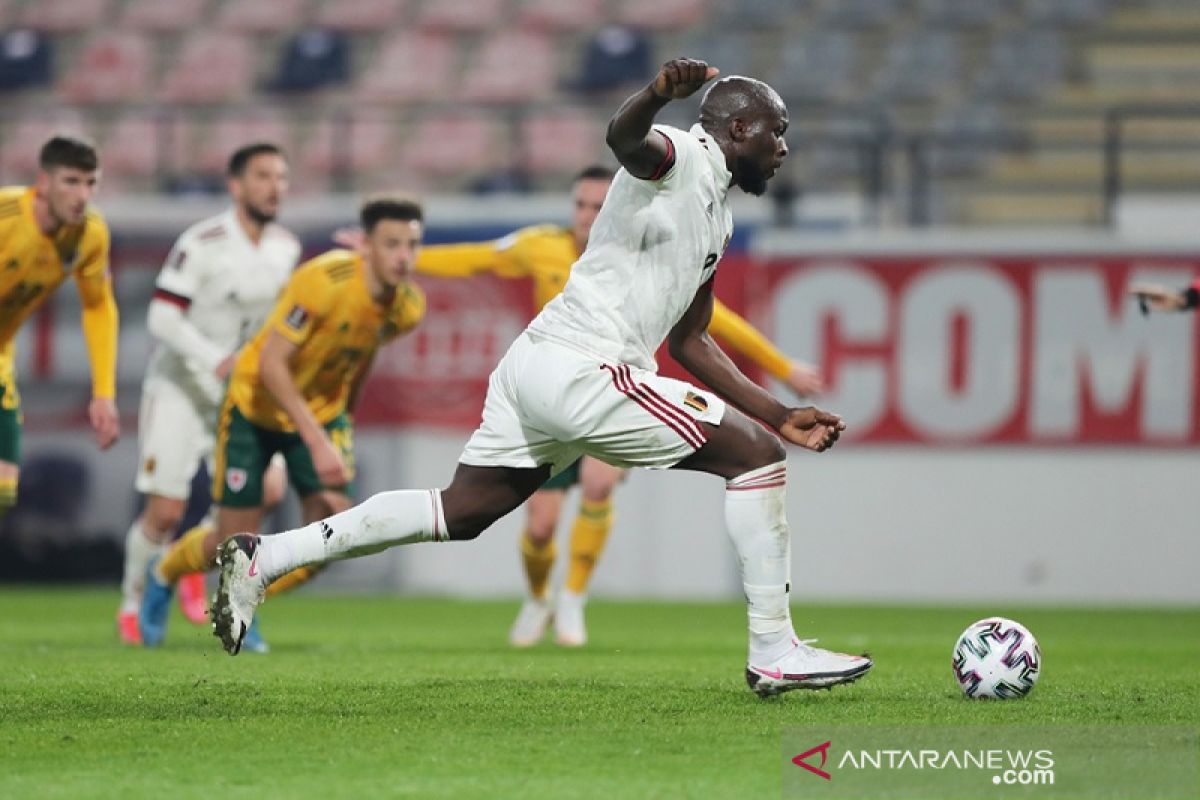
216, 287
581, 380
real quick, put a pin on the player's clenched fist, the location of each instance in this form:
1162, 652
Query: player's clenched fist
681, 77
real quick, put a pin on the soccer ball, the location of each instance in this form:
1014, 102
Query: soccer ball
997, 658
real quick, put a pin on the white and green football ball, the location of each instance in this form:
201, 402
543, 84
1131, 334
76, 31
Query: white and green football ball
997, 658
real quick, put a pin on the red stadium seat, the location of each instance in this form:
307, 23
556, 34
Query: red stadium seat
366, 145
113, 66
23, 139
512, 67
138, 144
662, 14
262, 16
359, 16
460, 15
557, 16
212, 67
66, 16
455, 143
236, 129
561, 141
159, 16
410, 66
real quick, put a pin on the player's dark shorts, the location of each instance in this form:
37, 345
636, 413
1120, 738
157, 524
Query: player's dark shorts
10, 422
243, 452
565, 479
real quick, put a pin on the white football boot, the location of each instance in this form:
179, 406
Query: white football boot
806, 667
569, 628
242, 588
530, 625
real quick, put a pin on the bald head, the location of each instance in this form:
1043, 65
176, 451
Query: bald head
747, 120
737, 97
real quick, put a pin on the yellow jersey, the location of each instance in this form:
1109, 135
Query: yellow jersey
546, 253
32, 265
327, 311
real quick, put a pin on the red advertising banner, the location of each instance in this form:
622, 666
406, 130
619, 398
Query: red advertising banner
992, 349
938, 350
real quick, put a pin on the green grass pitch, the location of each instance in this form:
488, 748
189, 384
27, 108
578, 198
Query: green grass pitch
388, 697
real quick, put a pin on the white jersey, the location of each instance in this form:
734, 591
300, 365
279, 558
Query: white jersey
226, 286
652, 247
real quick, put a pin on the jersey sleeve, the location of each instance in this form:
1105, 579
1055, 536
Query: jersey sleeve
677, 161
306, 299
738, 333
503, 257
99, 318
180, 275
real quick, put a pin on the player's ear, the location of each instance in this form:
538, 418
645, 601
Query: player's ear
737, 129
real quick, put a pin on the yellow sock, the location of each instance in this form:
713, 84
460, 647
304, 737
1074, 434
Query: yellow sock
587, 542
8, 494
186, 555
297, 577
538, 563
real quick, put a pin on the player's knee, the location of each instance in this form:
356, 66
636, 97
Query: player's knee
161, 517
766, 449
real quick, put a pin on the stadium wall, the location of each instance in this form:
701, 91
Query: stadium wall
1022, 435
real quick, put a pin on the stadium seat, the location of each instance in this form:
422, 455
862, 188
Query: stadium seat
358, 144
137, 143
262, 16
211, 67
460, 15
113, 66
757, 14
919, 66
662, 15
1022, 66
312, 59
410, 66
561, 141
233, 130
964, 13
162, 17
862, 13
26, 59
359, 16
511, 66
66, 16
454, 143
1066, 13
614, 56
557, 16
816, 67
24, 137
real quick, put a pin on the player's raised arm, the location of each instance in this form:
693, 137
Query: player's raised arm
642, 152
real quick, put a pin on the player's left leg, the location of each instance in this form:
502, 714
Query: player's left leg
10, 435
598, 481
538, 554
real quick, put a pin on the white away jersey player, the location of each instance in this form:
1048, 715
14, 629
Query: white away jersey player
225, 286
652, 246
581, 379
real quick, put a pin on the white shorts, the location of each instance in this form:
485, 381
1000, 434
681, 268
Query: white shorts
549, 404
174, 435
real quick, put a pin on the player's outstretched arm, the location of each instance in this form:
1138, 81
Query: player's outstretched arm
1161, 298
629, 135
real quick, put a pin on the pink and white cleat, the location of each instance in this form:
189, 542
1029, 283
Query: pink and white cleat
242, 589
806, 667
127, 628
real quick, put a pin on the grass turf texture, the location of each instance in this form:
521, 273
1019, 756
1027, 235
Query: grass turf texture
388, 697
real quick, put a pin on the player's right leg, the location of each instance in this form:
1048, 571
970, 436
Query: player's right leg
538, 554
10, 432
172, 441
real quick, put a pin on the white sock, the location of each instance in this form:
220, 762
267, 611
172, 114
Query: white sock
755, 514
138, 552
381, 521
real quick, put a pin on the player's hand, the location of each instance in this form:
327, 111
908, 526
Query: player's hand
1159, 298
681, 77
226, 366
105, 422
805, 379
812, 428
350, 237
327, 461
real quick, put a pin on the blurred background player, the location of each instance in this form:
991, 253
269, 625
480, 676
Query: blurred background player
214, 291
544, 254
48, 232
293, 387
